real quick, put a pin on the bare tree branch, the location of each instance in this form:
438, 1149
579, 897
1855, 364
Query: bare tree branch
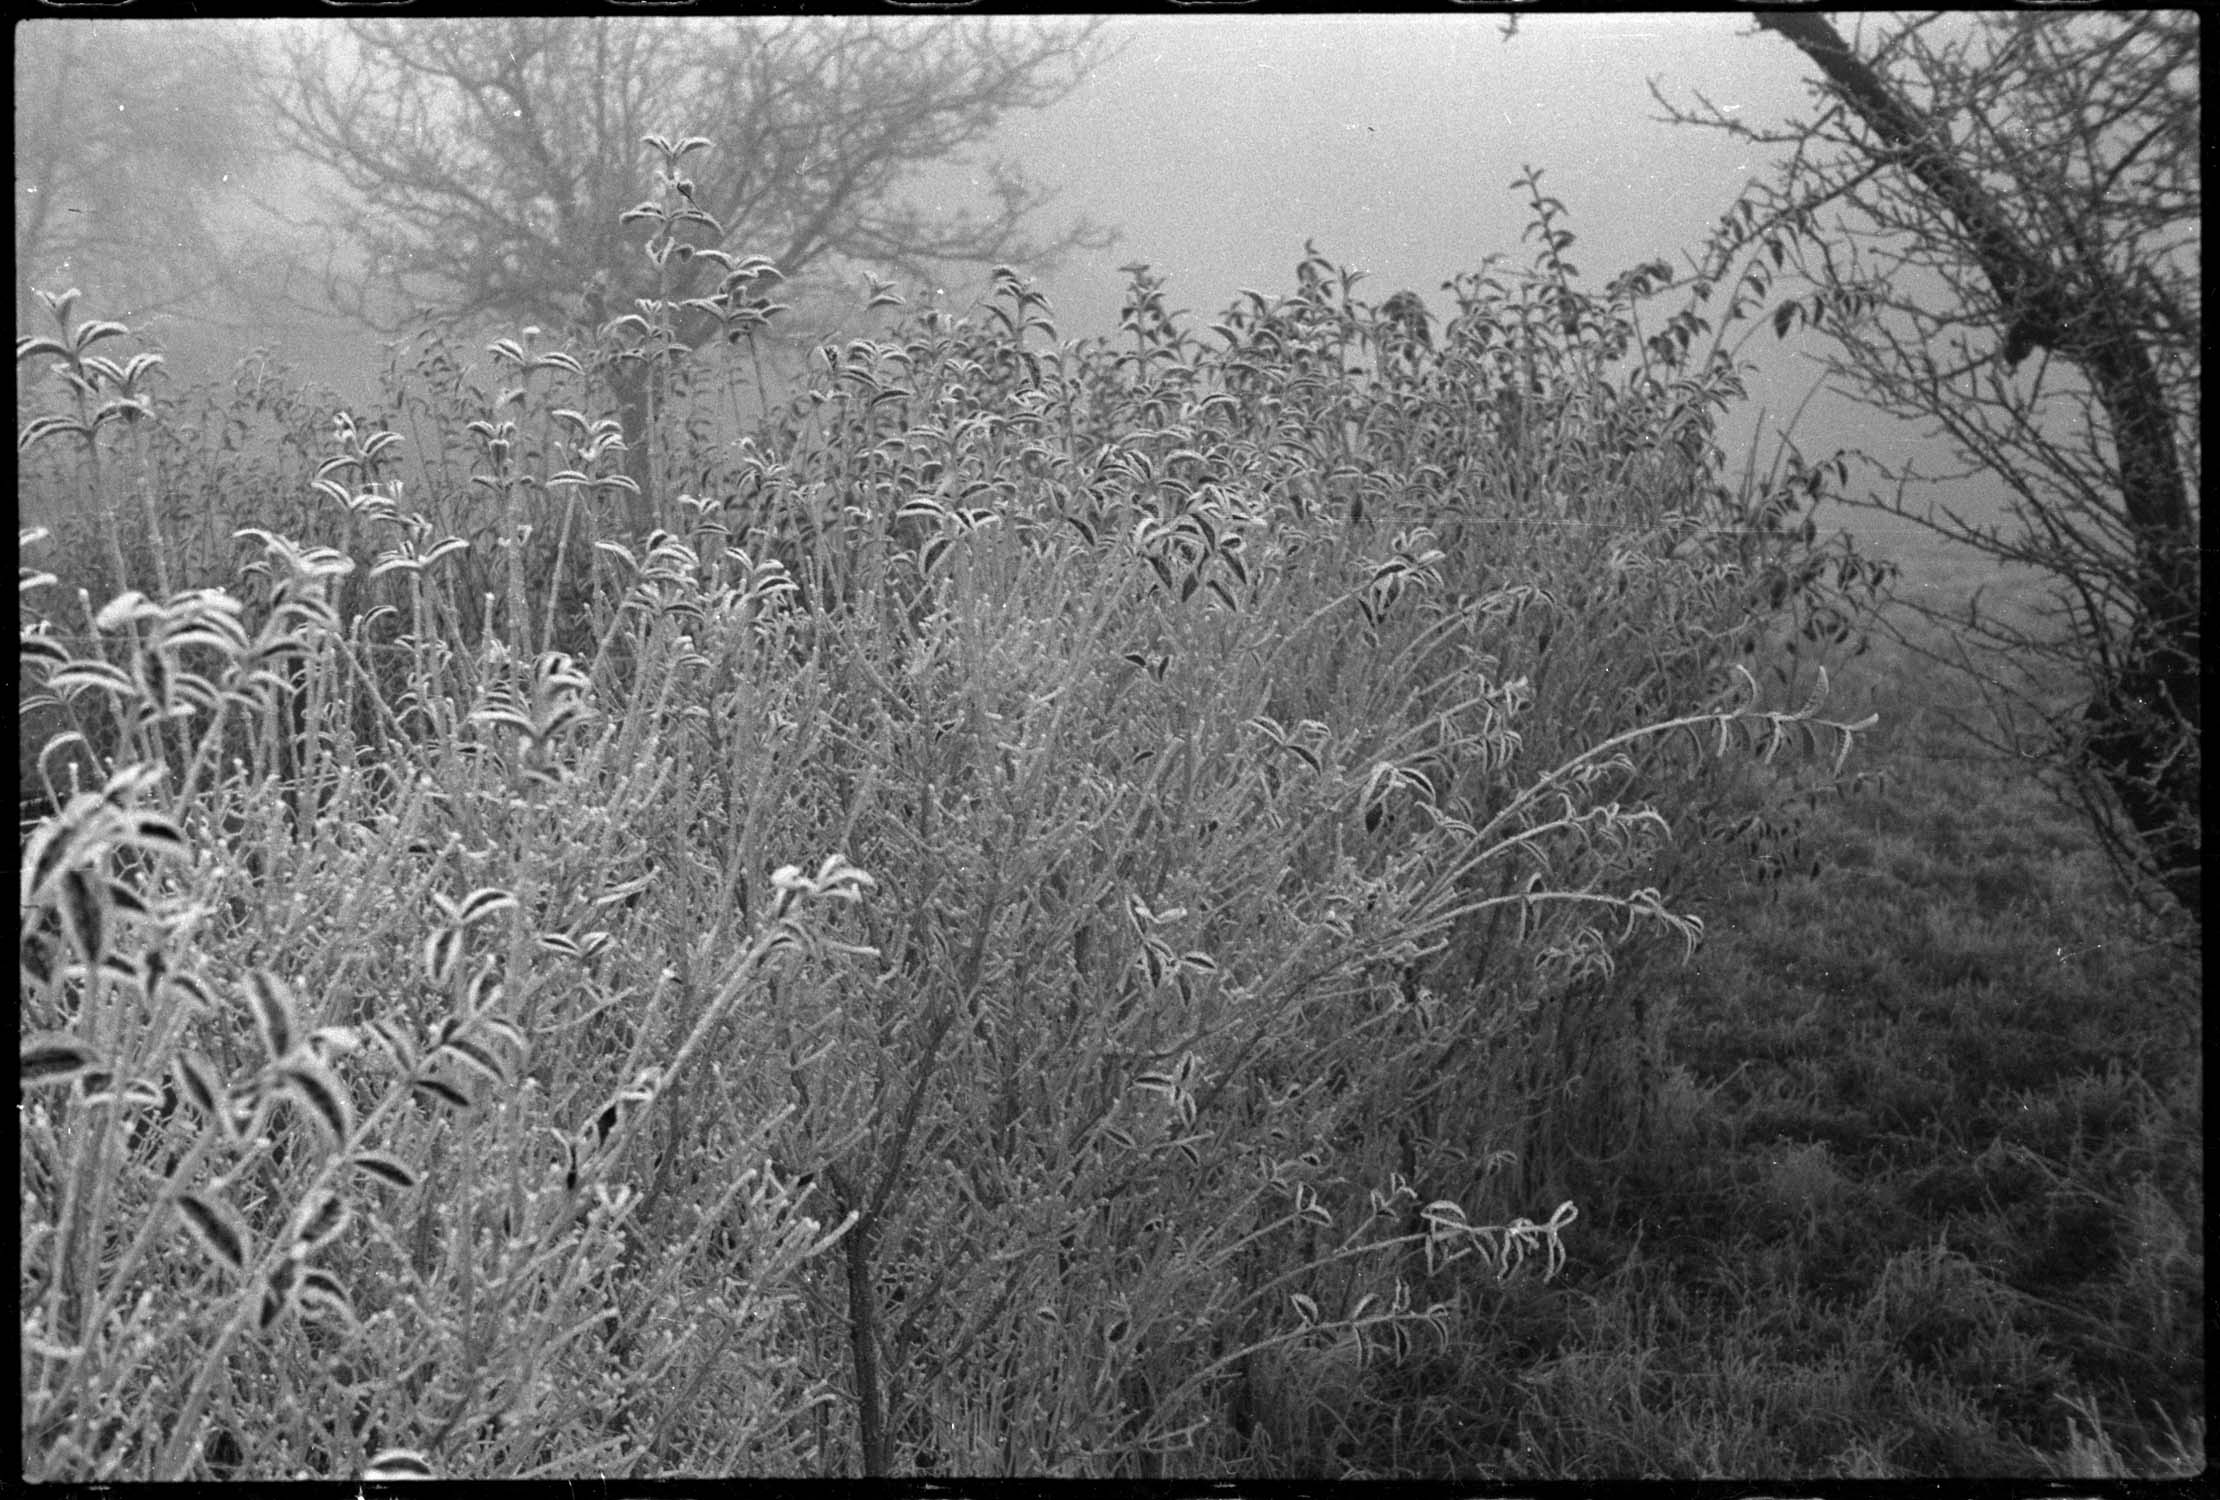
119, 149
1979, 190
489, 159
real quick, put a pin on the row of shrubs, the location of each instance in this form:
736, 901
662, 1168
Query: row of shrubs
1068, 897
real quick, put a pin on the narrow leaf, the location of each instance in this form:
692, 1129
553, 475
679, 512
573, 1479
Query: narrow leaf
483, 903
320, 1291
196, 1080
322, 1222
321, 1094
442, 950
85, 913
215, 1227
277, 1291
446, 1093
52, 1058
273, 1006
475, 1058
386, 1169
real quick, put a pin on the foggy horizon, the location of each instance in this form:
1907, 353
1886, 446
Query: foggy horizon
1217, 146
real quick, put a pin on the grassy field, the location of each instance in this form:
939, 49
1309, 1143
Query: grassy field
1922, 1195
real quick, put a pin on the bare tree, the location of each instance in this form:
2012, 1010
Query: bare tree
121, 146
491, 159
1999, 219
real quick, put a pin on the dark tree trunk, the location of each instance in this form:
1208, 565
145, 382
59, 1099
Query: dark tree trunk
2145, 717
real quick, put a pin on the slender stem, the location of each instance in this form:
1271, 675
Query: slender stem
863, 1327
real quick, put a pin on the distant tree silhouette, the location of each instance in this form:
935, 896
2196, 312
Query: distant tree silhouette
120, 144
491, 159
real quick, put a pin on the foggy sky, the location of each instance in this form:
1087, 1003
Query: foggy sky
1218, 144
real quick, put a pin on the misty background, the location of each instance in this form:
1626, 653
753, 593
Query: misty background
1214, 146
